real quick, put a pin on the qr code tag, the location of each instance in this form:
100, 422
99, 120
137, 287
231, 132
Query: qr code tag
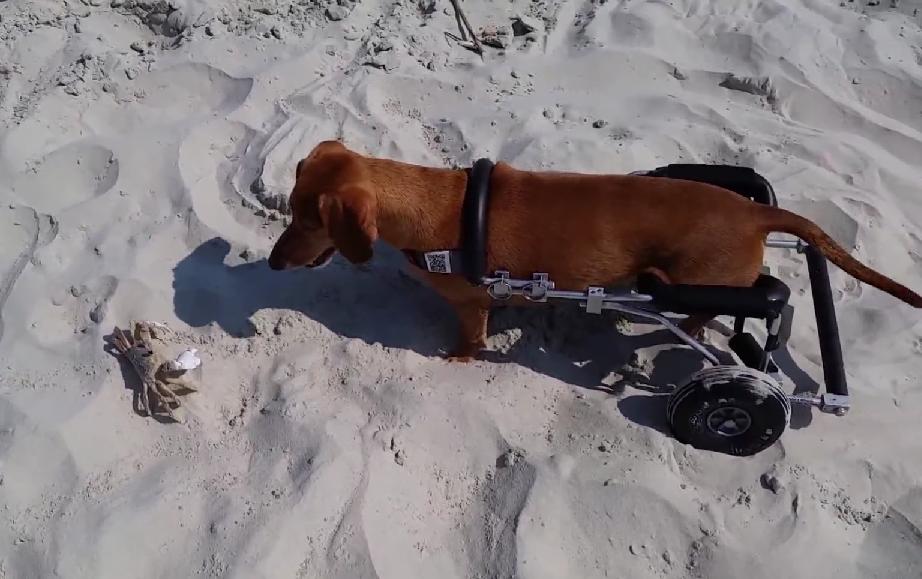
438, 261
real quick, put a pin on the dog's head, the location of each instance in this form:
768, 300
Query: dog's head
332, 209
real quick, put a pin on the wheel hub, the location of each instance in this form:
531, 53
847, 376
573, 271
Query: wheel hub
729, 421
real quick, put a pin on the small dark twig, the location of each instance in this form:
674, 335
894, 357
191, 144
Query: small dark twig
460, 23
462, 19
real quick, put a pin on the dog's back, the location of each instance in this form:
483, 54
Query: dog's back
592, 229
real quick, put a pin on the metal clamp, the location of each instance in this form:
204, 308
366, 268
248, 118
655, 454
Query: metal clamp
536, 291
829, 403
835, 404
500, 289
594, 298
797, 245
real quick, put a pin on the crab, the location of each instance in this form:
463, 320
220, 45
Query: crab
161, 378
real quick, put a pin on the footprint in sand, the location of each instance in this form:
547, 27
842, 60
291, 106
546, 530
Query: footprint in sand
208, 159
178, 94
22, 232
265, 171
191, 89
840, 225
19, 231
66, 177
37, 464
892, 546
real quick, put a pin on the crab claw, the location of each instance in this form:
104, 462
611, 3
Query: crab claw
121, 339
138, 331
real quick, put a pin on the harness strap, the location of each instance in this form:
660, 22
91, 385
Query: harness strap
470, 259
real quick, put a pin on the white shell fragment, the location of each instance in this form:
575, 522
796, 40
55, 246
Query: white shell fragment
188, 360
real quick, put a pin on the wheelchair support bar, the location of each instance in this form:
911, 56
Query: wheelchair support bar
826, 325
765, 299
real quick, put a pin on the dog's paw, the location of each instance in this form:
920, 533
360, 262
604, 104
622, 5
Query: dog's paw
464, 355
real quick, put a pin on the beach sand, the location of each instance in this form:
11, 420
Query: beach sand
146, 153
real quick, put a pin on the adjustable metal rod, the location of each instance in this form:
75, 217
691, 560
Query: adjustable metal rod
540, 289
829, 403
795, 244
672, 327
594, 300
626, 296
827, 328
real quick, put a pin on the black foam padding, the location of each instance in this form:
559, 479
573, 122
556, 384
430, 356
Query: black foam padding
474, 221
766, 298
827, 327
751, 352
742, 180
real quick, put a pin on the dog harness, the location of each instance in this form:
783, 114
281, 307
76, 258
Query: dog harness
469, 260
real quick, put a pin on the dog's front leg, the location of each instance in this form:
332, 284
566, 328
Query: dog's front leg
472, 334
695, 324
472, 306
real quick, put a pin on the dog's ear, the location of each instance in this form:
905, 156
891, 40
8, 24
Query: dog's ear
350, 220
298, 169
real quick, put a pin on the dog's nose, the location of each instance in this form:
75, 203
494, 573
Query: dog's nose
276, 263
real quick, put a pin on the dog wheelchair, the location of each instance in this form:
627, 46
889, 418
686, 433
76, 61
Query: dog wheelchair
733, 409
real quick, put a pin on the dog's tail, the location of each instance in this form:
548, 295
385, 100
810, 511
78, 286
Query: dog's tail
780, 220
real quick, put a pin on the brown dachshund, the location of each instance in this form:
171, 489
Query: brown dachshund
583, 230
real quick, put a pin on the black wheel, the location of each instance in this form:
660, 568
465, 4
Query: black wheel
729, 409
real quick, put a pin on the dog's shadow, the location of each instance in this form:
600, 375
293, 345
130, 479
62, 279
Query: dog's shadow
382, 304
377, 303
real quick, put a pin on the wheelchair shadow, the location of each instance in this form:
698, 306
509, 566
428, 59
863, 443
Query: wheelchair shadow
563, 342
801, 415
381, 304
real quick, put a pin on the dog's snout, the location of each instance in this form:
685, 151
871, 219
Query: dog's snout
276, 262
278, 257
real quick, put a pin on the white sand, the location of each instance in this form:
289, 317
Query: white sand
330, 439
